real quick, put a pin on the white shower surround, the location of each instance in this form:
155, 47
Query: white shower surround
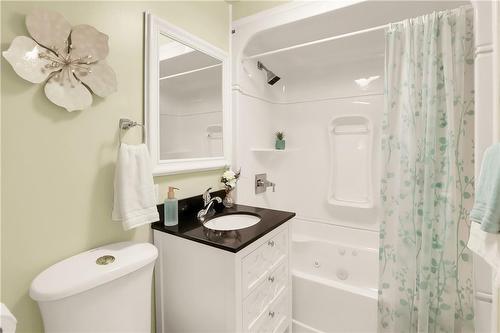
312, 97
303, 187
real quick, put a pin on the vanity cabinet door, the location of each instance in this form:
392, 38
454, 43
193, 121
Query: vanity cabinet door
257, 265
274, 319
276, 249
277, 315
259, 301
254, 270
277, 280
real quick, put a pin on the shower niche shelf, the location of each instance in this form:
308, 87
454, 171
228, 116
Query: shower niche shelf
350, 183
272, 150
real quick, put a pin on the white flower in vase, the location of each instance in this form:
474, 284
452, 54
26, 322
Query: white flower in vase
229, 179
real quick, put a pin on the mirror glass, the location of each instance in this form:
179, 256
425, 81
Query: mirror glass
190, 102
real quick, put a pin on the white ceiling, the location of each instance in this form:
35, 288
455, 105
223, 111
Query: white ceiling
320, 57
353, 18
186, 62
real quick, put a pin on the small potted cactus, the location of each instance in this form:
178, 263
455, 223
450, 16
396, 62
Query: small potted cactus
280, 141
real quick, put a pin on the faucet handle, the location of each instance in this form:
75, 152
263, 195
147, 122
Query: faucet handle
271, 184
206, 196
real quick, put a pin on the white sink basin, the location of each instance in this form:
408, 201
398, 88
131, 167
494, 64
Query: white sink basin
232, 222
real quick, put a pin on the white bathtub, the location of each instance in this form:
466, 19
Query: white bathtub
334, 281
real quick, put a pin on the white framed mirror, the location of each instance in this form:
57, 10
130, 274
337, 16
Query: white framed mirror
187, 100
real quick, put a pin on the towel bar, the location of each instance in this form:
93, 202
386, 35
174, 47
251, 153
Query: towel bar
126, 124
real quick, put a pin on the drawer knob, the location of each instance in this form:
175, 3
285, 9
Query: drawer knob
271, 279
271, 314
270, 243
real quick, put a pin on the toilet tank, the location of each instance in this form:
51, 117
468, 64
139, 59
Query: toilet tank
107, 289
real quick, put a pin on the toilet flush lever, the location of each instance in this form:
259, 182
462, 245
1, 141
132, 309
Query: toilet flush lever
261, 183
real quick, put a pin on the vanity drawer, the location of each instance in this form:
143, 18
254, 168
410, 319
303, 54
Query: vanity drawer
276, 249
266, 293
257, 265
278, 323
275, 318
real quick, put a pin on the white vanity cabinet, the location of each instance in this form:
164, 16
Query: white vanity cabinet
201, 288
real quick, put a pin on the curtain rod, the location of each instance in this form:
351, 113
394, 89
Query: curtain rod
328, 39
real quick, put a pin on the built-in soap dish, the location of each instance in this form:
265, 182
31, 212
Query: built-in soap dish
351, 141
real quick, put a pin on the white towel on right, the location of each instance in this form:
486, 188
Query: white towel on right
135, 197
487, 246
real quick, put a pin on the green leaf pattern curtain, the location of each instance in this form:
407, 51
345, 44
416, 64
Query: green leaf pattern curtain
425, 282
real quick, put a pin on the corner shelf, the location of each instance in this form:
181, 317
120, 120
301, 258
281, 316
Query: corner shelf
269, 150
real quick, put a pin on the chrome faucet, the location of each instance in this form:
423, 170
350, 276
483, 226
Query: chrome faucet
208, 203
206, 196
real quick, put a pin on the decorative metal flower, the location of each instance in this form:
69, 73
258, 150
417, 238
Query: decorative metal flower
70, 60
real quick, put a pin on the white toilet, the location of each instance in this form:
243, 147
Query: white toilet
107, 289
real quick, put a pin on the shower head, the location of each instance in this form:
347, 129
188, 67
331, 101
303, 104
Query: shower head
271, 77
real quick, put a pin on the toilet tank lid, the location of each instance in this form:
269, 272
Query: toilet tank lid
90, 269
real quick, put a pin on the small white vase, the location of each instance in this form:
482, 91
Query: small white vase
228, 201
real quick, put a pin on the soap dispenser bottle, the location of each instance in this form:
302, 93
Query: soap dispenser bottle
170, 206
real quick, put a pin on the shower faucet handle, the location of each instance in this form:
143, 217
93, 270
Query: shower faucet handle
270, 184
261, 183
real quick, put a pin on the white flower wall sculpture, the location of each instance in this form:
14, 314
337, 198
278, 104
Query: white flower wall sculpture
70, 60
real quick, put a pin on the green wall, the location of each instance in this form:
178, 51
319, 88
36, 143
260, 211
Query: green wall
57, 167
247, 8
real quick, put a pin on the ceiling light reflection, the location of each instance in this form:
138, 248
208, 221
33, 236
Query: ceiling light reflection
364, 82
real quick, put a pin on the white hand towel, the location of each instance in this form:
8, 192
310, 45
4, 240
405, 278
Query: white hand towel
135, 200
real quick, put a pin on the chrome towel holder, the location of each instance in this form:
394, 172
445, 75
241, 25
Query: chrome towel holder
126, 124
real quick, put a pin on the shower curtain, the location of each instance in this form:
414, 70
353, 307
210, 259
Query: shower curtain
425, 282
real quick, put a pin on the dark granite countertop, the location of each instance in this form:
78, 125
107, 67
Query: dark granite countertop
234, 240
